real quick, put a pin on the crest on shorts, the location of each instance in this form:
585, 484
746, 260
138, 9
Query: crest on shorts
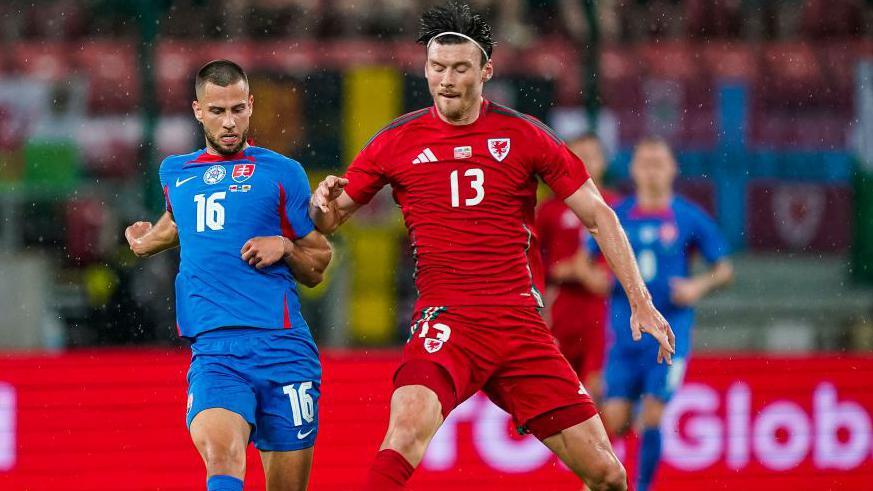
190, 403
214, 174
432, 345
499, 148
435, 336
242, 172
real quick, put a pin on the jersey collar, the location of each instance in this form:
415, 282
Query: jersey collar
205, 157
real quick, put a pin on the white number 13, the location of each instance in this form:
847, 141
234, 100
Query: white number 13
477, 183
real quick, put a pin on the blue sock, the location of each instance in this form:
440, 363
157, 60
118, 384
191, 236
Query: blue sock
221, 482
650, 455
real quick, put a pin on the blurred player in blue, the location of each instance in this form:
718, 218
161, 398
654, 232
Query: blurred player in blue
665, 231
239, 213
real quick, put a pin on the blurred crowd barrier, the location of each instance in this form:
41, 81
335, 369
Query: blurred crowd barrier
751, 421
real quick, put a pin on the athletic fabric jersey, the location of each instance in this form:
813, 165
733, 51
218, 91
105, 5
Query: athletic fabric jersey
663, 242
219, 203
467, 194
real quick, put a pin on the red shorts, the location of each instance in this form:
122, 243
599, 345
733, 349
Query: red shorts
507, 352
579, 325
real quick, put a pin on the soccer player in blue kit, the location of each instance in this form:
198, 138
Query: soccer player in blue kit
240, 215
665, 230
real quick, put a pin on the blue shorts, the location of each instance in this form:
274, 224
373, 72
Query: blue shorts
632, 369
272, 378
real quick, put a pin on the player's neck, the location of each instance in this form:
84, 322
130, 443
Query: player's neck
469, 117
212, 151
654, 201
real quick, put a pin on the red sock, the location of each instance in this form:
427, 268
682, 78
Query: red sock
389, 472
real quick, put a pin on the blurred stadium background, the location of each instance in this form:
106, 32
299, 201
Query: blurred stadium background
769, 105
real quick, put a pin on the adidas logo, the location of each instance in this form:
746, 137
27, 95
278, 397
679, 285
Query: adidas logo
424, 157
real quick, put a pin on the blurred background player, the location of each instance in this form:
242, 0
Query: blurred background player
255, 373
665, 231
463, 172
577, 286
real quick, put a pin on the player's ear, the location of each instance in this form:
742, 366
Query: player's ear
251, 101
198, 112
487, 71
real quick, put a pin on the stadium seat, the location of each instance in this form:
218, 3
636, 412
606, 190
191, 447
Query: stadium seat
114, 78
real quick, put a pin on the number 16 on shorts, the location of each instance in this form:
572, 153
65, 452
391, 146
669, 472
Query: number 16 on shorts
302, 404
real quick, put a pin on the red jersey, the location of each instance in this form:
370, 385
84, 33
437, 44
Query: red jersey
467, 194
562, 234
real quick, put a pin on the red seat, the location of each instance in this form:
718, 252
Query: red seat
113, 73
44, 60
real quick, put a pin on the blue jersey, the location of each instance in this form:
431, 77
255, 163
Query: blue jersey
664, 243
219, 203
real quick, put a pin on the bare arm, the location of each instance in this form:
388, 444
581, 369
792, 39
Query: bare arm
601, 221
330, 206
147, 240
307, 257
688, 291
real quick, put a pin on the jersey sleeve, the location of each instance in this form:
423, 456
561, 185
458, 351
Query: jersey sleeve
165, 187
560, 168
366, 175
294, 196
708, 238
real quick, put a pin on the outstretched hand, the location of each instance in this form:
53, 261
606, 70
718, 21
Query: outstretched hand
328, 191
647, 319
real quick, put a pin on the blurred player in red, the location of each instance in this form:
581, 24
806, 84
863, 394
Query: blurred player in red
576, 295
464, 172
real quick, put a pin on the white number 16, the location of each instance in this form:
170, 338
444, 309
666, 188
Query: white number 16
477, 184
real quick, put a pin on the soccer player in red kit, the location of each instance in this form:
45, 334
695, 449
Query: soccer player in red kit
577, 286
464, 174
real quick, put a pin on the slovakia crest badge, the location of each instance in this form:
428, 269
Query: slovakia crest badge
242, 172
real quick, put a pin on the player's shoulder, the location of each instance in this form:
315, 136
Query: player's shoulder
682, 206
265, 155
523, 121
398, 124
624, 205
171, 162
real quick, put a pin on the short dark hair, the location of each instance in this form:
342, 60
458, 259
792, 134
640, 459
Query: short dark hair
219, 72
587, 136
455, 17
654, 141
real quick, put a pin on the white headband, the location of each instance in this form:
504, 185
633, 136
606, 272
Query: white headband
468, 38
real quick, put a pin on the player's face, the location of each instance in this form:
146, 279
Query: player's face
455, 78
225, 114
590, 151
653, 169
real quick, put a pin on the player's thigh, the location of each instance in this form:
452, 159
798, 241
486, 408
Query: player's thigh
287, 471
448, 353
221, 409
617, 415
287, 416
286, 375
221, 437
415, 417
536, 384
585, 449
652, 411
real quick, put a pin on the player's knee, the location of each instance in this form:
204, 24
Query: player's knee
607, 475
415, 417
223, 457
